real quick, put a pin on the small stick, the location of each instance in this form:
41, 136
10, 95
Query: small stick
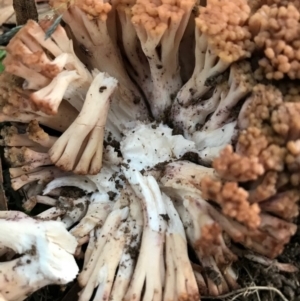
245, 292
3, 200
6, 37
25, 10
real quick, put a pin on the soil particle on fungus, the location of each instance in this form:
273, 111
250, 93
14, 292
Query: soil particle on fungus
191, 156
165, 217
217, 79
213, 275
160, 166
111, 195
113, 143
177, 131
132, 251
72, 192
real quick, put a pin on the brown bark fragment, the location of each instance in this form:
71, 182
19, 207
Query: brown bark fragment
25, 10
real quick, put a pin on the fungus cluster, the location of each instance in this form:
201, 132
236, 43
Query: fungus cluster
176, 126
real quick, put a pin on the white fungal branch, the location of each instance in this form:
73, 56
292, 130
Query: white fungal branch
106, 265
104, 257
141, 154
131, 249
180, 282
207, 65
202, 230
40, 174
98, 210
96, 33
26, 158
148, 272
46, 250
78, 147
160, 43
63, 77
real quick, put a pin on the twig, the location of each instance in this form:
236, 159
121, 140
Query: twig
253, 283
25, 10
270, 263
3, 200
246, 291
283, 267
6, 37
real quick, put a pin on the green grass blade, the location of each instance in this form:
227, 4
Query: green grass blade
2, 56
